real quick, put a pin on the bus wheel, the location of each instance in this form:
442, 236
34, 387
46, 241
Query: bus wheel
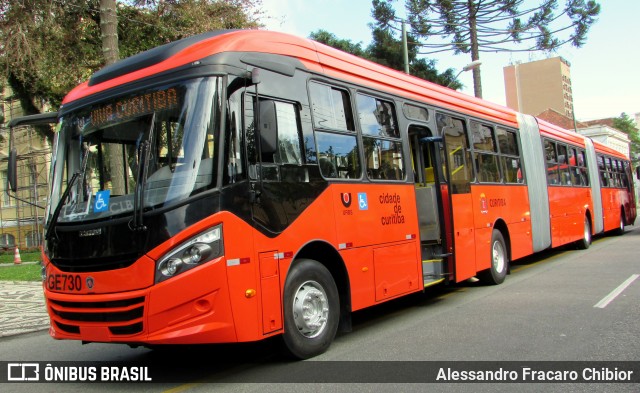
499, 261
311, 309
586, 237
620, 229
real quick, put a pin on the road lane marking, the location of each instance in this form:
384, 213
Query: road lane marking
609, 298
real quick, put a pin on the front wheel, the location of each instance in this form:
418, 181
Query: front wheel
499, 261
311, 309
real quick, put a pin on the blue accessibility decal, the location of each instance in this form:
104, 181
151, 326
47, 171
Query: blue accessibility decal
363, 203
102, 201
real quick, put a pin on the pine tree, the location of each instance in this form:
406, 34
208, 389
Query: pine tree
475, 26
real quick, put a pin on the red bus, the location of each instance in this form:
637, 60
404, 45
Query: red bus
238, 185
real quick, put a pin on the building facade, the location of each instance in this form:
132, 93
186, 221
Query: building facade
536, 86
21, 218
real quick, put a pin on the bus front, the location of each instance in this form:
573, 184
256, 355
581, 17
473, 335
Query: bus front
133, 246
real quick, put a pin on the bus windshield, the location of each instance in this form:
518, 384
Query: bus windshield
148, 149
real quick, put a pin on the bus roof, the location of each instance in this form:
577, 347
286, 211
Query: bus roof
315, 56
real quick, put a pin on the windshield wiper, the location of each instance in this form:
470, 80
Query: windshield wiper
137, 224
56, 212
65, 194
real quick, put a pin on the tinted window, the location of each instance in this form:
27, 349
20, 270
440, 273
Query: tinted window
330, 107
377, 117
415, 112
457, 153
507, 141
338, 155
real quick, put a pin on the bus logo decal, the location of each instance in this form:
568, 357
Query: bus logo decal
363, 204
484, 208
345, 197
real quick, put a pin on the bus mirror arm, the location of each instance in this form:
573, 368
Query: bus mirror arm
12, 171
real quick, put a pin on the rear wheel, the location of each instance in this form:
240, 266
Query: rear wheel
620, 229
311, 309
585, 242
499, 261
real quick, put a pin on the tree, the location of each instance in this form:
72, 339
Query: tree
625, 124
474, 26
385, 49
49, 47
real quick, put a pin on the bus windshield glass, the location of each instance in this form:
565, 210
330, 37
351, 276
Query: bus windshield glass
148, 149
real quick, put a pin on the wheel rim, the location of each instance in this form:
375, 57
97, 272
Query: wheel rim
498, 257
310, 309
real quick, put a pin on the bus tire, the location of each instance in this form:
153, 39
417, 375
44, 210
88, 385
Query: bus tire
499, 261
620, 229
311, 309
585, 242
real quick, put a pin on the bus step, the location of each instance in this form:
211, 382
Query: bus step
432, 272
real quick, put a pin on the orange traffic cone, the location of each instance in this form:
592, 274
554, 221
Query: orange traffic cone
16, 257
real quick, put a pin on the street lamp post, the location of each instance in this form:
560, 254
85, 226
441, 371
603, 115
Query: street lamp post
474, 64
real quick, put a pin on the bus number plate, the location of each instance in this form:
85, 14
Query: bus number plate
64, 282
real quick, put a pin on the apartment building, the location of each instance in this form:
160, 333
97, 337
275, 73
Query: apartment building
536, 86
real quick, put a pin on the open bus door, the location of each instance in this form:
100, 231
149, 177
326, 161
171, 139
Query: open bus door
432, 203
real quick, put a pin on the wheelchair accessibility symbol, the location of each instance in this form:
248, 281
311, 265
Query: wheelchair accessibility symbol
102, 201
363, 204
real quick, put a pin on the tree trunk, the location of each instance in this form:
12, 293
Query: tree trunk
111, 52
109, 31
475, 52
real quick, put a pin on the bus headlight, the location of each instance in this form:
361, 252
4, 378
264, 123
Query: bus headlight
194, 252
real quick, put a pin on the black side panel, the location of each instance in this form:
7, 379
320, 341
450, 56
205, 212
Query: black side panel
280, 203
101, 246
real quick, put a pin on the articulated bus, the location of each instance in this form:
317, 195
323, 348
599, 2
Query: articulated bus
239, 185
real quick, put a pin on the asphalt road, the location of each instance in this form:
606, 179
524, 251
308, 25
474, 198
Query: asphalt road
557, 306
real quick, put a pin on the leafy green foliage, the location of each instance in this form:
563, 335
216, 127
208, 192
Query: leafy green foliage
626, 124
474, 26
49, 47
387, 50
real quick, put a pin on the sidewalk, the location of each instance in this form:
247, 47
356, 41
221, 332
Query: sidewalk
22, 308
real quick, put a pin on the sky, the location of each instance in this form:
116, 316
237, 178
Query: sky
604, 71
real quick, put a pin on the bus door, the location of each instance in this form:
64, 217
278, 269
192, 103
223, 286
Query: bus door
432, 204
455, 153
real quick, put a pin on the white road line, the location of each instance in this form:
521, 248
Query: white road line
609, 298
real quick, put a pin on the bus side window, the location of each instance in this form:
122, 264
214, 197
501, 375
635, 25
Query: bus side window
381, 138
604, 177
485, 153
334, 128
457, 153
280, 141
552, 162
563, 165
510, 156
234, 153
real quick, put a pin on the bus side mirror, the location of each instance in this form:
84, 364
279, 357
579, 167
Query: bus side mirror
638, 173
12, 170
268, 127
